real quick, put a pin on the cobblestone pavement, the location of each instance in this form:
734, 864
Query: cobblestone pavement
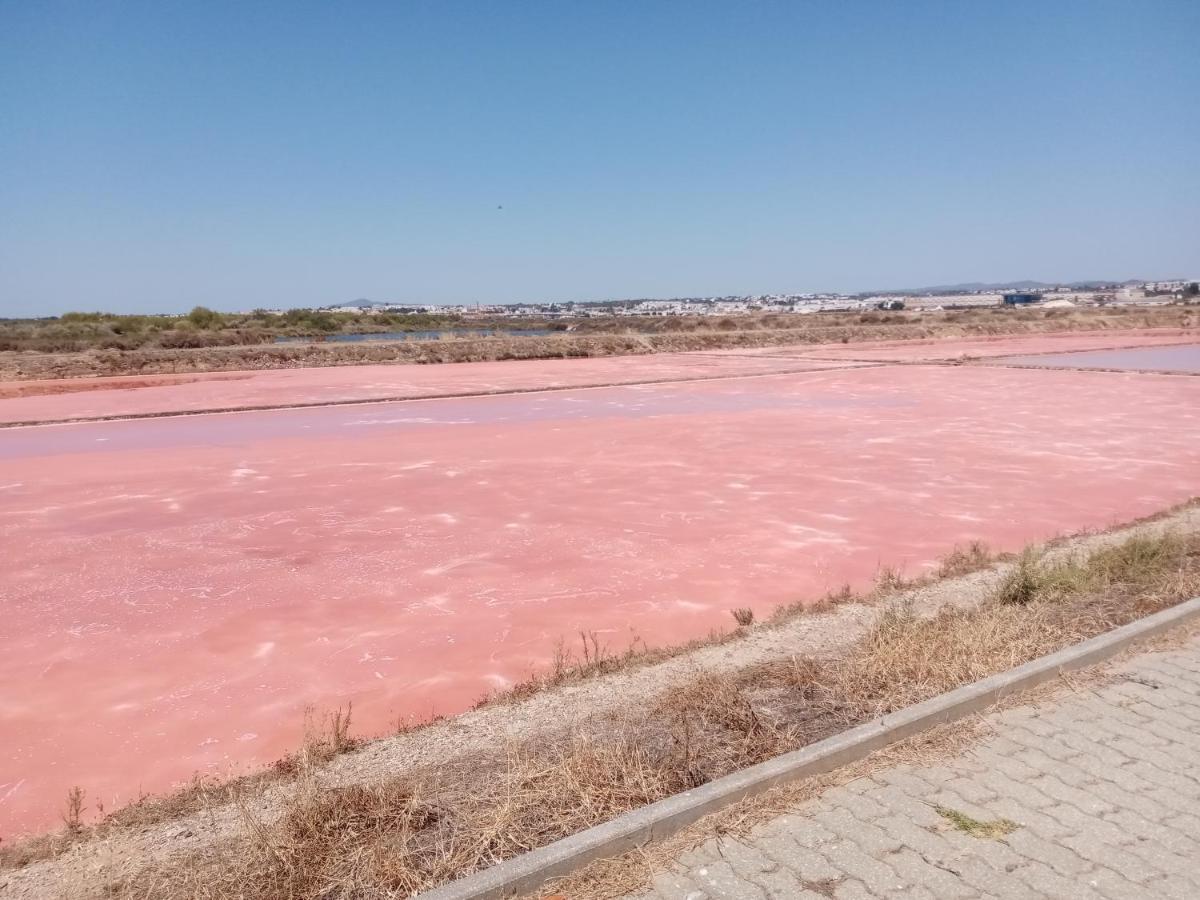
1100, 787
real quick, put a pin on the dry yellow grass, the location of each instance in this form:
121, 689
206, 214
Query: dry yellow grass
410, 831
965, 559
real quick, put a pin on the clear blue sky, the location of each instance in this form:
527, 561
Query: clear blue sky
158, 155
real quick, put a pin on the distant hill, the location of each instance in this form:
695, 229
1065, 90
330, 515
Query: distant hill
977, 286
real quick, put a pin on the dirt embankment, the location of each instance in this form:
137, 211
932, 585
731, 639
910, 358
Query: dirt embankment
833, 328
12, 389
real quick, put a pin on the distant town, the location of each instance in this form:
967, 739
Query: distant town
952, 297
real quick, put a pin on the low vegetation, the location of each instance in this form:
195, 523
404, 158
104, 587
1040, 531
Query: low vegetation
965, 559
97, 344
992, 828
76, 332
407, 831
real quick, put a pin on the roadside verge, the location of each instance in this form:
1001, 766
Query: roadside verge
530, 871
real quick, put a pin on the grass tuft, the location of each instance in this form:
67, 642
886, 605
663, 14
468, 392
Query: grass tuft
991, 829
889, 579
73, 813
965, 559
743, 615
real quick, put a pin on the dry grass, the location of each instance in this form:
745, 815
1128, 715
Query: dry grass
890, 579
594, 338
73, 814
325, 737
965, 559
413, 830
743, 615
594, 659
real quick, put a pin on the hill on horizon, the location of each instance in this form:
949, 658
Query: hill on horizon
1026, 285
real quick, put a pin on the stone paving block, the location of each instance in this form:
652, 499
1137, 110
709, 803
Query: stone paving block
974, 789
746, 859
698, 856
1112, 885
721, 882
1093, 770
1092, 750
1141, 747
1182, 660
998, 746
917, 810
1005, 761
1037, 723
1120, 712
1170, 800
1005, 784
1170, 673
1182, 784
1134, 693
1184, 671
939, 878
785, 885
673, 885
1046, 828
1165, 727
802, 828
1174, 888
1150, 708
1103, 854
912, 783
990, 883
1164, 861
1103, 784
1060, 858
877, 875
870, 839
808, 864
1049, 745
1090, 824
928, 842
1043, 879
1019, 792
1043, 764
852, 890
1052, 785
1131, 803
1146, 830
1173, 698
998, 854
1187, 822
1060, 748
859, 803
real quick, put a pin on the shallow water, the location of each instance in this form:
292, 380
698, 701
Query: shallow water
175, 591
1136, 359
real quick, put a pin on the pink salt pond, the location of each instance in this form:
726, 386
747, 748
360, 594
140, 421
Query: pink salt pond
175, 591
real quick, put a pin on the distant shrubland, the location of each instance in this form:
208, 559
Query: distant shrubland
85, 344
76, 332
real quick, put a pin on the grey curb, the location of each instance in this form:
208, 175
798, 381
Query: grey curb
528, 872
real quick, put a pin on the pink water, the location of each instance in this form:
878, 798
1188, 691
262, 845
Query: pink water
176, 591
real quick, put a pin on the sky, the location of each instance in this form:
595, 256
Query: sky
159, 155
